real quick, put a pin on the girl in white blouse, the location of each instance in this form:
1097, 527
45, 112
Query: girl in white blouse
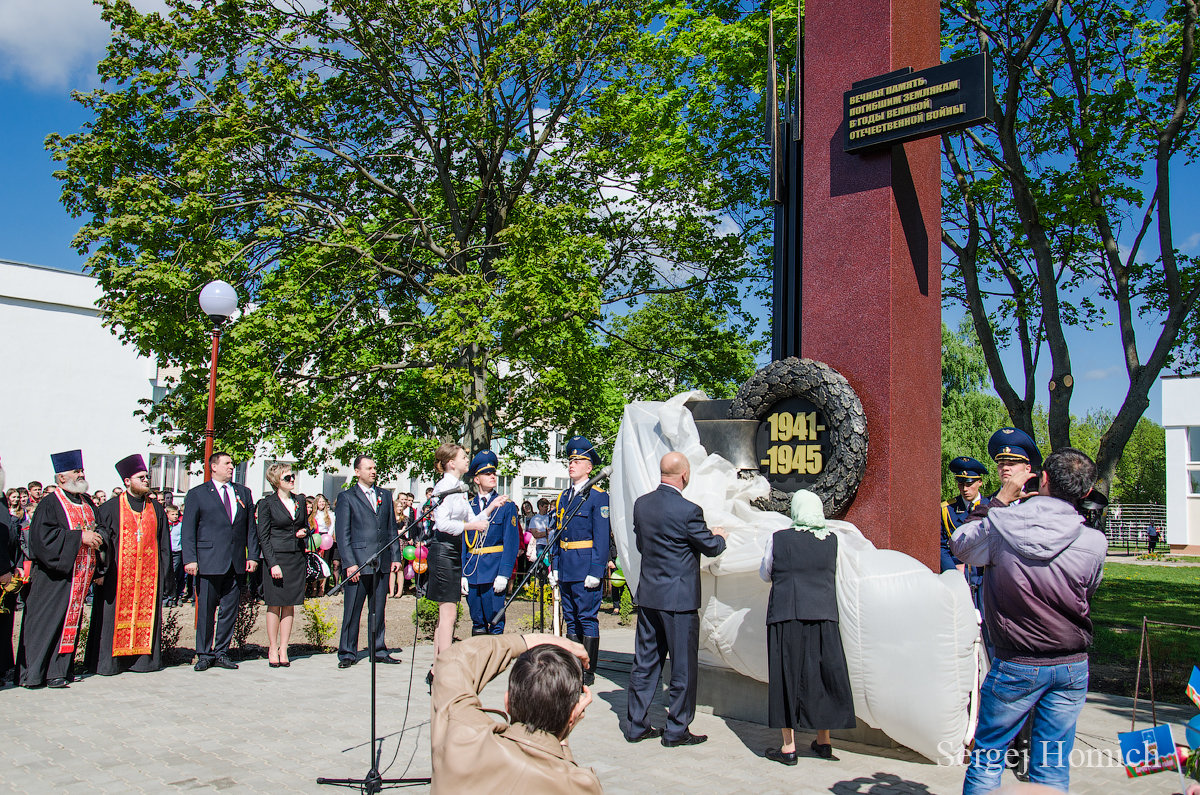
454, 515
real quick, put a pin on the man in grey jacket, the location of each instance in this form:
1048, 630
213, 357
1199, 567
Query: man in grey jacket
1044, 565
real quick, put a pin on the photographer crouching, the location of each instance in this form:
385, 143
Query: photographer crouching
546, 698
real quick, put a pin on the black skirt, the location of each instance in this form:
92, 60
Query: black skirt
444, 583
809, 686
288, 591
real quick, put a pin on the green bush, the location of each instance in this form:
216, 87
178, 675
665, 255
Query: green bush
625, 612
426, 617
319, 628
530, 592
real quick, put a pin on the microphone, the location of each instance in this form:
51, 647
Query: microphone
461, 488
603, 474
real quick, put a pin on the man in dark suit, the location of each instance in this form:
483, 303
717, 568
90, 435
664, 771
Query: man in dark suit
671, 534
217, 531
364, 521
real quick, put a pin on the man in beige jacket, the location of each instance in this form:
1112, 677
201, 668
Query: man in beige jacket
546, 697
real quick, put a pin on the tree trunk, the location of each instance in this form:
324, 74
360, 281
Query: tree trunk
477, 425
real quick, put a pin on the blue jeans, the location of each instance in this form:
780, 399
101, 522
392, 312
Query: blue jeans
1011, 691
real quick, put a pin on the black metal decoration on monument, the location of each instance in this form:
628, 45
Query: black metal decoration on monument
796, 421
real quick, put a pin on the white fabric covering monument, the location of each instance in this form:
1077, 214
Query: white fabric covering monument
910, 636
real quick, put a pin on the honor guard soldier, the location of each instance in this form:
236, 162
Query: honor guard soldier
580, 558
1014, 453
968, 474
488, 556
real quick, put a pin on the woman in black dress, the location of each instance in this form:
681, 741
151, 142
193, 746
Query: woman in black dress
282, 531
808, 685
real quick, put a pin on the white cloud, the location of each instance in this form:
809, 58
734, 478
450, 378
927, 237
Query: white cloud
1191, 244
53, 44
1102, 374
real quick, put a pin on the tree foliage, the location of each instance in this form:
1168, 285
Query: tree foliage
971, 413
1061, 215
445, 219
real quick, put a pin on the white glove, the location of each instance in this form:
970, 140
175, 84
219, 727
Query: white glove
500, 584
553, 578
591, 582
465, 586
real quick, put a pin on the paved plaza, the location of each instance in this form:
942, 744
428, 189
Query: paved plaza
259, 729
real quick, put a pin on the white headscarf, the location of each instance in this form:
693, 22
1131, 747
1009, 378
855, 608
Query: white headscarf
808, 514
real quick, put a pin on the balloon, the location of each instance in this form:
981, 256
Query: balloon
422, 554
527, 538
409, 552
326, 541
408, 572
1193, 732
419, 566
616, 578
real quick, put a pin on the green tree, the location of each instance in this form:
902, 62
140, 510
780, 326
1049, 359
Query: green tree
970, 412
1061, 214
436, 212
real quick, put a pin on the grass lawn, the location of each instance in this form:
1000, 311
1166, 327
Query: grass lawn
1160, 593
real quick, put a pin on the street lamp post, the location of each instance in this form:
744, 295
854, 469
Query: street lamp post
219, 301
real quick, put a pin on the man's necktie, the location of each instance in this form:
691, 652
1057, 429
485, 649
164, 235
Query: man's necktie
371, 499
228, 504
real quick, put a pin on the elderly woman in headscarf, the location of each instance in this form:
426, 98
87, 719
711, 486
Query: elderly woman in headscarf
808, 685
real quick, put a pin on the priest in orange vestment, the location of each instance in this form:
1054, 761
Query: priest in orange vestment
125, 633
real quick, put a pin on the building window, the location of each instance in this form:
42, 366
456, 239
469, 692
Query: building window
168, 473
504, 484
534, 483
333, 485
239, 472
560, 445
561, 484
1193, 445
1194, 479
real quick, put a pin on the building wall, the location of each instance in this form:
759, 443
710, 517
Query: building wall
77, 386
1181, 412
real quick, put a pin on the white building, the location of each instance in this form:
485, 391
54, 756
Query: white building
73, 384
1181, 419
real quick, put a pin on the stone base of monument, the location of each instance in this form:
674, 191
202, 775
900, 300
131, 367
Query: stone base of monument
728, 694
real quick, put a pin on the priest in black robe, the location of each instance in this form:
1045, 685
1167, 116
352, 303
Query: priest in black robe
126, 629
62, 544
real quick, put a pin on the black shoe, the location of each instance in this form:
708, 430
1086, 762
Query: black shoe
649, 734
823, 750
388, 659
285, 664
345, 663
782, 757
275, 665
429, 681
592, 644
225, 662
686, 739
57, 683
203, 664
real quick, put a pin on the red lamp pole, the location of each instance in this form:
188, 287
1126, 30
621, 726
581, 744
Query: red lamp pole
209, 431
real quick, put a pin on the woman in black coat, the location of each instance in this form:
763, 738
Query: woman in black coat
808, 684
282, 533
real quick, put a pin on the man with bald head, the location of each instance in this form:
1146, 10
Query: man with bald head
671, 535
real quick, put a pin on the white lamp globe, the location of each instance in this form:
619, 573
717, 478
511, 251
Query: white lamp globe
219, 300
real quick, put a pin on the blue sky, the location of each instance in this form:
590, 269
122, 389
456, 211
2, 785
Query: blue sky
48, 47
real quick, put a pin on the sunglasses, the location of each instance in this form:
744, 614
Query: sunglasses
289, 478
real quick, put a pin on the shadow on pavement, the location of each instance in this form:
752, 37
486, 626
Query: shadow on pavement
880, 784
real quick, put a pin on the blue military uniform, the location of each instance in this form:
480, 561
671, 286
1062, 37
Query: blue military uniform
581, 552
955, 512
488, 554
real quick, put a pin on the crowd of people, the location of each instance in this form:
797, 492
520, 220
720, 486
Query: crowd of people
1030, 552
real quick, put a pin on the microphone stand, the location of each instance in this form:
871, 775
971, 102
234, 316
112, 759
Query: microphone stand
543, 561
373, 782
